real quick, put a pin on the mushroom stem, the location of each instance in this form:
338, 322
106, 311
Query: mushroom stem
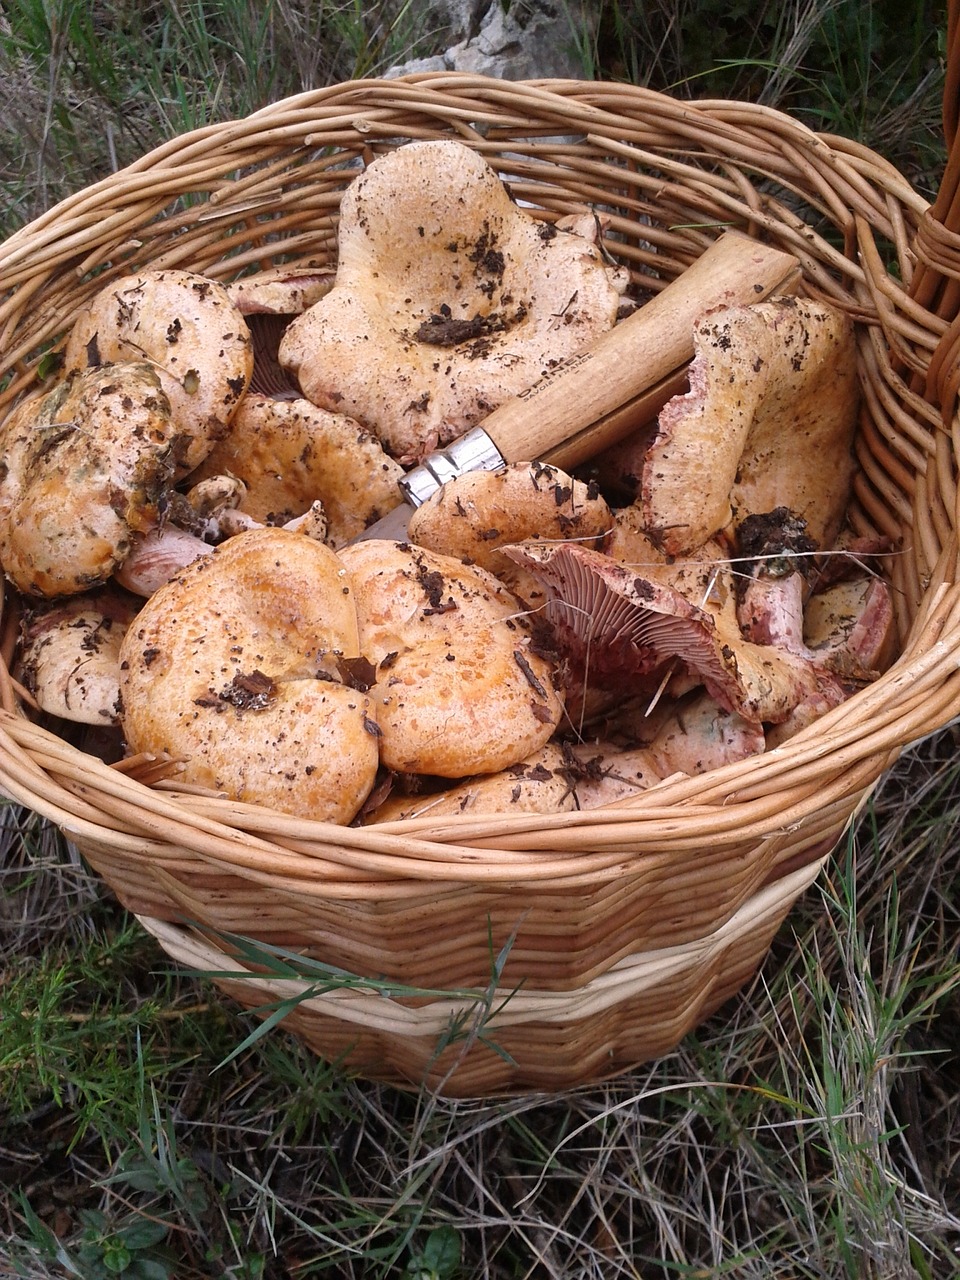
771, 612
159, 556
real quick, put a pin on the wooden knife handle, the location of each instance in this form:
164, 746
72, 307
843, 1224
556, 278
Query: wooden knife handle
596, 397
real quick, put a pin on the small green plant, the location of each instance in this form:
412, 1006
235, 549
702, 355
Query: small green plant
126, 1247
102, 1249
71, 1027
467, 1025
439, 1259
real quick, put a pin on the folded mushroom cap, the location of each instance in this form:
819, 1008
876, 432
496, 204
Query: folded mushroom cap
449, 299
768, 421
280, 291
289, 454
189, 328
850, 627
82, 470
232, 668
70, 654
459, 686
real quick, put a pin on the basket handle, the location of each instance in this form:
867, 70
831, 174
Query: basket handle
936, 282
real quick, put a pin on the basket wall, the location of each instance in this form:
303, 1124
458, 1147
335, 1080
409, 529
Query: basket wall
423, 902
533, 1040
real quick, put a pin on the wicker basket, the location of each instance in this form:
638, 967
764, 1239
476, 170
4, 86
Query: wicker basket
615, 931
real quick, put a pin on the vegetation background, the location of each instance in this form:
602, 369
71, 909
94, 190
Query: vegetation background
812, 1129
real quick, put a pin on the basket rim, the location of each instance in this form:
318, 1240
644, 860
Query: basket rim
291, 116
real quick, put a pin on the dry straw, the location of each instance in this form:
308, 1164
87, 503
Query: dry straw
595, 939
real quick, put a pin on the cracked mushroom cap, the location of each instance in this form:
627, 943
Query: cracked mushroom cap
70, 654
189, 328
234, 669
289, 454
82, 470
458, 684
768, 421
449, 299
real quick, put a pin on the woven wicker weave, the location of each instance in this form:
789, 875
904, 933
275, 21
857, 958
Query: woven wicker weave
626, 926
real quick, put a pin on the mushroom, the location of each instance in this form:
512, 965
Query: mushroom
695, 736
623, 628
280, 291
449, 299
850, 627
289, 454
193, 522
768, 421
474, 514
268, 301
235, 669
539, 784
605, 773
189, 329
845, 626
82, 472
159, 555
70, 654
459, 686
700, 735
776, 562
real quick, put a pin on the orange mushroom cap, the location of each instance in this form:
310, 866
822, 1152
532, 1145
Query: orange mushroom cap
449, 299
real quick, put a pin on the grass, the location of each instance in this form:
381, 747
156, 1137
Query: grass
811, 1129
